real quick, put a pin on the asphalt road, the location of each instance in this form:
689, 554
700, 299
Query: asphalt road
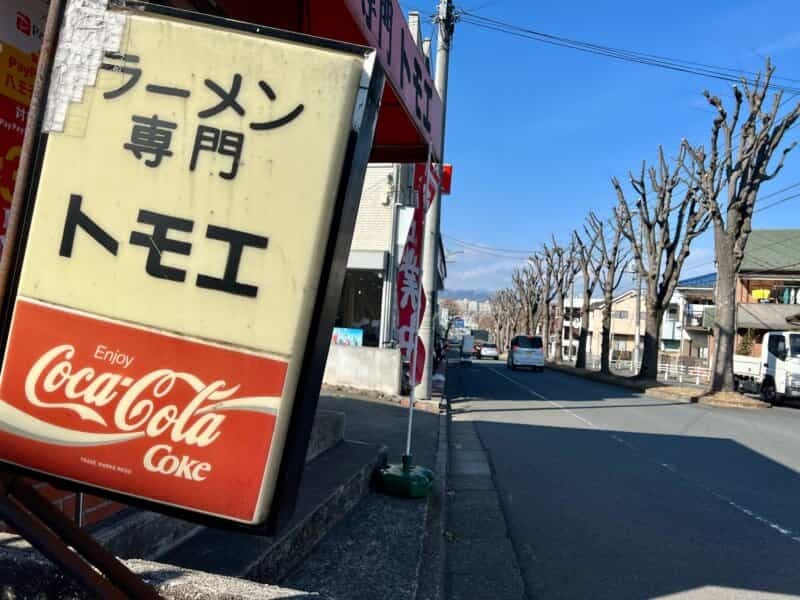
608, 494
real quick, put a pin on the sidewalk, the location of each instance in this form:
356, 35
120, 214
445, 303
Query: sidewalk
371, 550
376, 551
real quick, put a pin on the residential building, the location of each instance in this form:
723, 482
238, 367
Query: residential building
696, 297
570, 327
623, 326
768, 284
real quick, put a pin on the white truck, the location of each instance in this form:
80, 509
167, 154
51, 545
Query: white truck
776, 373
467, 346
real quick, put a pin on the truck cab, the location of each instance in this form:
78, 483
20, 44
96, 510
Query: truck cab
776, 373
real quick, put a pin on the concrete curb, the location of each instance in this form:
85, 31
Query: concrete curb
482, 559
431, 569
27, 574
749, 405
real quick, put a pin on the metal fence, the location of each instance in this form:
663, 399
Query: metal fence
678, 370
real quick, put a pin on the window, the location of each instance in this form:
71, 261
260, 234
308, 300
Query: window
528, 342
619, 314
360, 304
794, 344
777, 345
671, 345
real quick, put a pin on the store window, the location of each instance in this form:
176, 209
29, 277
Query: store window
360, 306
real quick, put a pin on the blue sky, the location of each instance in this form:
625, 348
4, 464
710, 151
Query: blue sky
535, 132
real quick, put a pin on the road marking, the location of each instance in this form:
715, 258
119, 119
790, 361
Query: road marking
538, 395
795, 537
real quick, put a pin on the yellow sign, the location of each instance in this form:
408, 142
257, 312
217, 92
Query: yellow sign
188, 188
198, 152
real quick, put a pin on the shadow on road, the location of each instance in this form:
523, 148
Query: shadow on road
646, 516
614, 512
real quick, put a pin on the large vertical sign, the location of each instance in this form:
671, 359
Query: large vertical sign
190, 187
411, 299
21, 27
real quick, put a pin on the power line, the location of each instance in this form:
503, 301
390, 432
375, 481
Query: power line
477, 246
684, 66
514, 253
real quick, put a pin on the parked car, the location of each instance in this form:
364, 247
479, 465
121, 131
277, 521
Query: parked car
488, 351
526, 351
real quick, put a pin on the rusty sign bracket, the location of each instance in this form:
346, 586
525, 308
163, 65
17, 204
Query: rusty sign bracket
67, 545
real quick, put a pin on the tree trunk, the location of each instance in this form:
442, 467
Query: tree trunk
580, 360
605, 343
528, 317
546, 332
722, 379
652, 336
558, 350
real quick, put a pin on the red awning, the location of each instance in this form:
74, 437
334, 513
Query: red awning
411, 111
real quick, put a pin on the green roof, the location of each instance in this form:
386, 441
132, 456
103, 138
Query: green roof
772, 250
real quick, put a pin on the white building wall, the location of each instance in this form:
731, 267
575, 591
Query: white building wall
374, 221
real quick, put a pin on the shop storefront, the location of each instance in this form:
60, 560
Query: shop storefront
408, 128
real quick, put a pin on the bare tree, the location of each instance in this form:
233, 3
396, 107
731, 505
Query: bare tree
548, 266
526, 283
587, 263
740, 173
668, 222
565, 277
507, 311
613, 259
486, 322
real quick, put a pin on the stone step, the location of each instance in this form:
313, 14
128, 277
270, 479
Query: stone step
333, 483
136, 533
328, 431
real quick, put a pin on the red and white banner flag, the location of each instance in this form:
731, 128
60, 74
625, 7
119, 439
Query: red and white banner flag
411, 301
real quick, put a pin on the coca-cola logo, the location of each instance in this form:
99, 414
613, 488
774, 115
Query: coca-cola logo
146, 413
130, 408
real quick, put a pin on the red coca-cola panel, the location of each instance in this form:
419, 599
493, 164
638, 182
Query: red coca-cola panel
137, 411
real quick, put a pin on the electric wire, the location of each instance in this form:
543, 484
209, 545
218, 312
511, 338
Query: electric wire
691, 67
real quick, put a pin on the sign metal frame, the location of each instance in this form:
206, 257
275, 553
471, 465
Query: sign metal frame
326, 301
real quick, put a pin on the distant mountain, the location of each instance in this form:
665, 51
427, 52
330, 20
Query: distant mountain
480, 295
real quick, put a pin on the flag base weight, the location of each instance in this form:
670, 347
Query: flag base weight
405, 480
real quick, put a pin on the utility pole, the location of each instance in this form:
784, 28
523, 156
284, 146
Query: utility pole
445, 21
638, 322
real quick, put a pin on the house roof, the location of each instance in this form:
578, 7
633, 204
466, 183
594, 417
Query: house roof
772, 250
707, 281
768, 316
599, 303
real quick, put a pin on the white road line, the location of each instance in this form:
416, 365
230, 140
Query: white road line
538, 395
795, 537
